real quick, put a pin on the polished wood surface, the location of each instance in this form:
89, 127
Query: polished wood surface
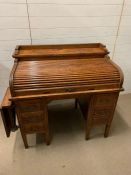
60, 51
33, 118
50, 72
98, 109
57, 76
6, 102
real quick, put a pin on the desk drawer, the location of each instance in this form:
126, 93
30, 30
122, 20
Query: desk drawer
101, 116
34, 127
32, 117
105, 100
30, 105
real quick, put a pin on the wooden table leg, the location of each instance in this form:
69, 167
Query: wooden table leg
24, 137
87, 131
76, 103
47, 138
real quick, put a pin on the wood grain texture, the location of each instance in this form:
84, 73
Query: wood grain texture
6, 102
50, 51
42, 73
54, 76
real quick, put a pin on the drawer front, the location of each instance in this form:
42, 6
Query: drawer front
30, 105
102, 116
102, 113
106, 100
32, 117
34, 128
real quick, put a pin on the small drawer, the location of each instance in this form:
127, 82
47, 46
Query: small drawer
102, 116
30, 105
105, 113
34, 127
107, 100
32, 117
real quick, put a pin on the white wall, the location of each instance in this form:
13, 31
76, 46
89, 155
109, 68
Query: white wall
14, 29
65, 21
122, 54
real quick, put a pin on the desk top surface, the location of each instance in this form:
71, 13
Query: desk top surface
38, 51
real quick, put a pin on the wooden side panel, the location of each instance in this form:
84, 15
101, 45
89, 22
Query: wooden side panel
31, 115
101, 111
102, 107
8, 114
33, 118
6, 120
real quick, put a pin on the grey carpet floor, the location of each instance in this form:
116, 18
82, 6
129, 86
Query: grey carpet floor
69, 153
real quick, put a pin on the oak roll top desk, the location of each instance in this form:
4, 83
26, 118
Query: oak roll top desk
42, 73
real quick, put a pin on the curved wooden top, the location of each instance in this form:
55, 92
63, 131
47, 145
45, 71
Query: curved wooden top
66, 75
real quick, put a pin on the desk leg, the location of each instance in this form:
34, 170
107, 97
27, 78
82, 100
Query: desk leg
24, 137
47, 132
76, 103
89, 124
87, 131
107, 129
47, 138
89, 117
13, 119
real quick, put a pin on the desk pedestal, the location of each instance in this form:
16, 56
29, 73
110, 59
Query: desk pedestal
33, 118
98, 109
